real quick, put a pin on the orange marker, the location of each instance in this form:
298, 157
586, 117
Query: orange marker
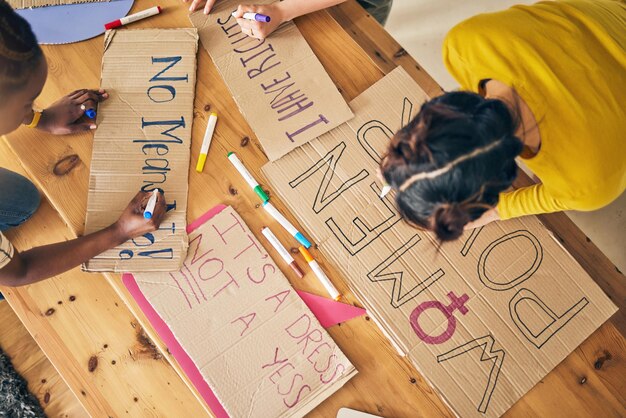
334, 293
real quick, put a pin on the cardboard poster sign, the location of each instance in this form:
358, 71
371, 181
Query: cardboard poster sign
142, 142
278, 83
483, 318
260, 349
27, 4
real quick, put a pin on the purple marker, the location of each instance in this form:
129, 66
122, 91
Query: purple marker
256, 16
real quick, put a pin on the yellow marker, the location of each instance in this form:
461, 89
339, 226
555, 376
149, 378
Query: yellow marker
206, 142
328, 285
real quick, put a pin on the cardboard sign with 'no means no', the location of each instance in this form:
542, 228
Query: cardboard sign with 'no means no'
142, 142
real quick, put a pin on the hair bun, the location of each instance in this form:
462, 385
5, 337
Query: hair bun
449, 220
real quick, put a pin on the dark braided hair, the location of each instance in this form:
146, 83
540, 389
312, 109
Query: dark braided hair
450, 163
19, 51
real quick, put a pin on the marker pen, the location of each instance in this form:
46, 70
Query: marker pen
385, 191
286, 255
206, 142
286, 224
247, 176
255, 16
133, 18
149, 211
328, 285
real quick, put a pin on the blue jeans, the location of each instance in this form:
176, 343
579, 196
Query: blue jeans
19, 199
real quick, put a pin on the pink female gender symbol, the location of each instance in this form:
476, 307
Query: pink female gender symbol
448, 311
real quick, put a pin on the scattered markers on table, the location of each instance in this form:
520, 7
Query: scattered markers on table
323, 278
149, 211
133, 18
286, 224
255, 16
286, 255
206, 142
248, 177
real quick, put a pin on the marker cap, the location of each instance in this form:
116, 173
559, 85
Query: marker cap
91, 114
302, 240
297, 269
112, 25
147, 215
200, 164
306, 254
259, 191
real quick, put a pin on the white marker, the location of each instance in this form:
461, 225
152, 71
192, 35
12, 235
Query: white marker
149, 211
286, 224
248, 177
334, 293
133, 18
386, 190
206, 142
254, 16
286, 255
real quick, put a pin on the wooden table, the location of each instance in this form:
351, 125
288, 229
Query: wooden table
101, 343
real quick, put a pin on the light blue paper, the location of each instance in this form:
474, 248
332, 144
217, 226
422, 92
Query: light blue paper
73, 22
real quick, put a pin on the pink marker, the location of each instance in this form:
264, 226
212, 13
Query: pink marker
282, 251
133, 18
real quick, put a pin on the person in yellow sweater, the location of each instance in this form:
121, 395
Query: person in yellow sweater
545, 83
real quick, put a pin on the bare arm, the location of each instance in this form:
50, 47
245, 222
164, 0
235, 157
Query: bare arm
279, 12
40, 263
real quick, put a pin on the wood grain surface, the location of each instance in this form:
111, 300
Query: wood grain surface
356, 52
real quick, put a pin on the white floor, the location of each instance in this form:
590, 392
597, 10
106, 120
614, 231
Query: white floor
420, 27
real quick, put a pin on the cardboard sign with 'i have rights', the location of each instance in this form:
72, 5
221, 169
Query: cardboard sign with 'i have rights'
278, 83
142, 142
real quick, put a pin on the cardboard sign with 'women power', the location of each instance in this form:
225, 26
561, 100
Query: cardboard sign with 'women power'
484, 318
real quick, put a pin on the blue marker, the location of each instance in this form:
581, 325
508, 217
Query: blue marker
91, 113
149, 211
286, 224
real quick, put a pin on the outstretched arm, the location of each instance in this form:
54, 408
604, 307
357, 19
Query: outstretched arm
40, 263
279, 12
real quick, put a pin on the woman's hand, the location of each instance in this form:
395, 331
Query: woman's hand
132, 224
67, 115
195, 4
260, 30
487, 217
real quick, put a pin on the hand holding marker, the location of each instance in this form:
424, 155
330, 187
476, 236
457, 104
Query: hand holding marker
254, 16
149, 211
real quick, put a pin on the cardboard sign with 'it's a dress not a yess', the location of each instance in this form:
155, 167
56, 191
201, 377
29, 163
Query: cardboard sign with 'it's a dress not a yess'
235, 316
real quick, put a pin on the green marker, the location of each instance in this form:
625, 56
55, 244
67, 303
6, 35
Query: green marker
247, 176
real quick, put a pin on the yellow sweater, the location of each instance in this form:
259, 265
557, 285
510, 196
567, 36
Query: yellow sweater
567, 61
